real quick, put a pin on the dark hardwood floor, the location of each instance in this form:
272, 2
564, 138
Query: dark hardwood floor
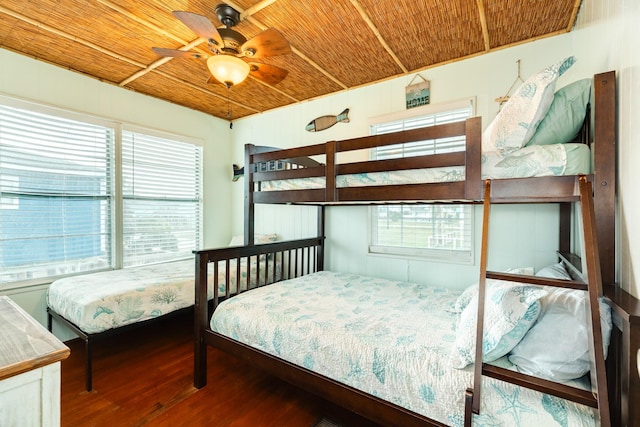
144, 377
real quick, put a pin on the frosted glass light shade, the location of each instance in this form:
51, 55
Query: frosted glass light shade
228, 69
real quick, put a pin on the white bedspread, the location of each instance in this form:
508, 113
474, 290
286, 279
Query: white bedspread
389, 339
100, 301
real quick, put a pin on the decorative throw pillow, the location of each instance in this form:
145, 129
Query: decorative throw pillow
510, 310
565, 116
465, 298
557, 345
520, 116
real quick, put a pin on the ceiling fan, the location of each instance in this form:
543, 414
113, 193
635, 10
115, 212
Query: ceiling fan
233, 56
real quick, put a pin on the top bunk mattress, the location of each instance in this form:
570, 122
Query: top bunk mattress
529, 161
106, 300
394, 340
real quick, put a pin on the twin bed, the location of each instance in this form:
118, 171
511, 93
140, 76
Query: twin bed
98, 305
384, 349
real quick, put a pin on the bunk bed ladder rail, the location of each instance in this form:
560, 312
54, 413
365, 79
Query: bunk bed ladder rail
599, 399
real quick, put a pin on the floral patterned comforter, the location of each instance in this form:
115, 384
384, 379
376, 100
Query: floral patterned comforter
390, 339
100, 301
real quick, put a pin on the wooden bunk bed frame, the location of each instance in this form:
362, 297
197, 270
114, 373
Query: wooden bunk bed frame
623, 380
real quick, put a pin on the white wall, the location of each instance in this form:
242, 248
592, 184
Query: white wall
609, 29
629, 148
605, 39
24, 78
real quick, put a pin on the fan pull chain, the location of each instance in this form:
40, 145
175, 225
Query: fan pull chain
229, 107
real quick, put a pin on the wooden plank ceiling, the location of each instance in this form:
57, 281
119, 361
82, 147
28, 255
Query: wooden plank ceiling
335, 44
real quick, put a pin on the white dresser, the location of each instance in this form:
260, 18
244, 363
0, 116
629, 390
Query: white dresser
30, 359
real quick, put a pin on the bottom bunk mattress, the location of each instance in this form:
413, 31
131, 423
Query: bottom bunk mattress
393, 340
106, 300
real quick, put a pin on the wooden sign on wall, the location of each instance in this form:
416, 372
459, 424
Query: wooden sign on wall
418, 94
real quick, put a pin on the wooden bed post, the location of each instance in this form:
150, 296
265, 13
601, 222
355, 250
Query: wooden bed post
473, 155
201, 317
630, 412
330, 183
624, 384
564, 243
604, 185
249, 212
321, 231
594, 279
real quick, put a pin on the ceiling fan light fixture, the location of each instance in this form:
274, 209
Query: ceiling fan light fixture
228, 69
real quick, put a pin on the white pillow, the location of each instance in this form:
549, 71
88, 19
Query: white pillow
555, 271
520, 116
557, 345
510, 310
258, 239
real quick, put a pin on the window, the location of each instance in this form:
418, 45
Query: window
56, 195
161, 189
64, 193
442, 232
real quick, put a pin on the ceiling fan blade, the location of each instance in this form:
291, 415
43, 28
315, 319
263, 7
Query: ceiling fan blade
200, 25
270, 74
268, 43
176, 53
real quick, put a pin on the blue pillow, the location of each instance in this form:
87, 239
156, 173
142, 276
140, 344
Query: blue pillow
565, 116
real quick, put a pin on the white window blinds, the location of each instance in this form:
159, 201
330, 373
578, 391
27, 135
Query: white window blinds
55, 195
438, 232
162, 198
79, 194
419, 148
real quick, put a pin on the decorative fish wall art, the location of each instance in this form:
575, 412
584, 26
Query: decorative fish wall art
325, 122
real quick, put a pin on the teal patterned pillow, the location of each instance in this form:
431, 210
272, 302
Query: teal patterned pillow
510, 310
465, 298
520, 116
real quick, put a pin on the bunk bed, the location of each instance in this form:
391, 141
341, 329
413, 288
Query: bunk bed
302, 262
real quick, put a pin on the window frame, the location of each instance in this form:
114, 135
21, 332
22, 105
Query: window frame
116, 196
422, 253
121, 197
